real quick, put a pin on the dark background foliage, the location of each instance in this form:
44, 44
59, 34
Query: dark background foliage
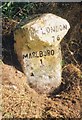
21, 10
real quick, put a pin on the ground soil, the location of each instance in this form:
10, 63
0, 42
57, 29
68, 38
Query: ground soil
21, 101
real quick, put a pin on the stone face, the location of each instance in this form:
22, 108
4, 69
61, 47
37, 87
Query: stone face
38, 49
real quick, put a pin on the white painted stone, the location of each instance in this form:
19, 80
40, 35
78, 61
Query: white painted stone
38, 50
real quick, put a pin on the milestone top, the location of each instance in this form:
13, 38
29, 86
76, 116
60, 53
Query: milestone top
38, 49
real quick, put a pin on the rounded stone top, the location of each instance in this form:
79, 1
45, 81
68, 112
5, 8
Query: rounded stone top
49, 28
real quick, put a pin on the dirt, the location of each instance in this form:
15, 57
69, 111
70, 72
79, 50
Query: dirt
21, 101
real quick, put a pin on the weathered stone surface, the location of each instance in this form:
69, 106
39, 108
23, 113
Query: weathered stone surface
38, 49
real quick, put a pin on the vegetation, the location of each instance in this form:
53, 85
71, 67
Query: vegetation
21, 10
17, 9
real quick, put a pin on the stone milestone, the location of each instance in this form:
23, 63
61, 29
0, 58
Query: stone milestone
37, 45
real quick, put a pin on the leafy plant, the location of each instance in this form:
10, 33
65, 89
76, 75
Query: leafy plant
17, 10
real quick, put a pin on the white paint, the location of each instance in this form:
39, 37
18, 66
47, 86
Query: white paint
50, 21
42, 36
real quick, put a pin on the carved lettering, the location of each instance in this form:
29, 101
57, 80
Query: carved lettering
65, 27
30, 55
48, 52
54, 29
58, 37
39, 54
52, 52
48, 30
24, 56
